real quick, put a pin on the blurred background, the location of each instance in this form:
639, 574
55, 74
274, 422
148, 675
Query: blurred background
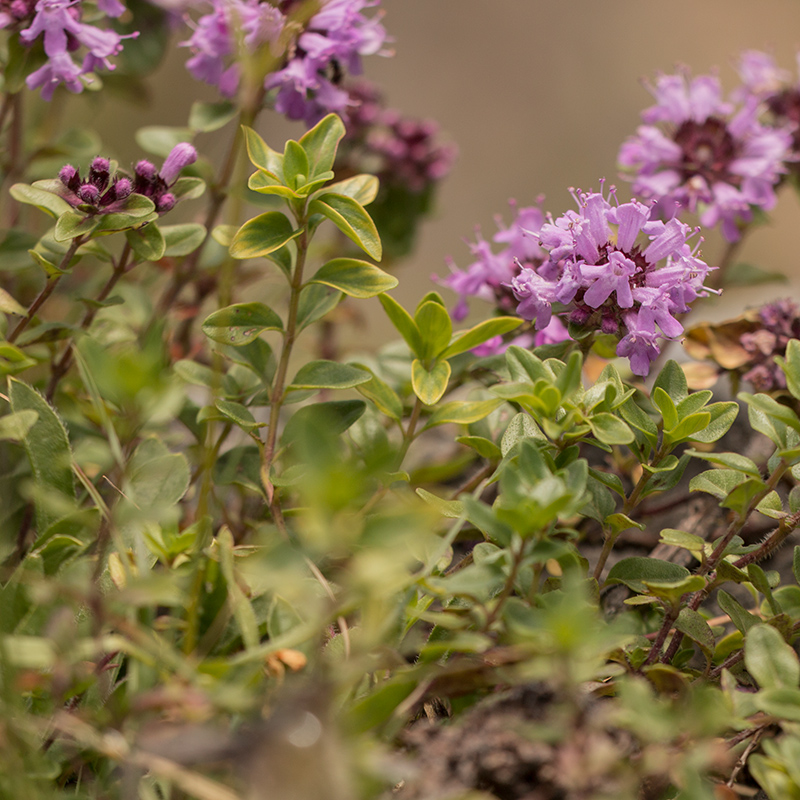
538, 97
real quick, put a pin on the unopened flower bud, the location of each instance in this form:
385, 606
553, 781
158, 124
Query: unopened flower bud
122, 188
146, 171
89, 193
182, 155
70, 177
165, 203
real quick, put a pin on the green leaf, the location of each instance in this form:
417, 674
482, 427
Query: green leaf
321, 143
158, 478
37, 196
262, 235
240, 415
334, 416
47, 445
435, 329
481, 333
672, 380
742, 274
634, 571
8, 305
722, 417
521, 427
240, 606
72, 224
663, 402
329, 375
241, 323
208, 117
295, 164
382, 395
772, 408
719, 482
739, 615
688, 541
771, 506
180, 240
316, 301
462, 412
791, 367
16, 426
355, 278
769, 659
266, 183
262, 155
610, 429
430, 385
485, 448
687, 427
403, 322
691, 624
734, 461
362, 188
351, 219
147, 242
452, 509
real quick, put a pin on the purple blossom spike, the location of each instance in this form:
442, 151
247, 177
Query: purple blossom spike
59, 24
613, 268
307, 83
698, 152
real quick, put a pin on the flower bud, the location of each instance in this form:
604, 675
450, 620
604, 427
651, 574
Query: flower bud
89, 193
165, 203
70, 177
182, 155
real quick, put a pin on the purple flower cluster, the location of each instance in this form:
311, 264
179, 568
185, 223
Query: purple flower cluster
780, 322
148, 181
307, 84
490, 275
59, 23
764, 80
615, 269
100, 192
698, 152
398, 150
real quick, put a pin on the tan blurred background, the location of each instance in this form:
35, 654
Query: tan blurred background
538, 95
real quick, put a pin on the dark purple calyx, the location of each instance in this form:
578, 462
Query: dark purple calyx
707, 149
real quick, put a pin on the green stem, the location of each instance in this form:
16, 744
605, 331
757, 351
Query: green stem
50, 285
63, 364
278, 386
710, 564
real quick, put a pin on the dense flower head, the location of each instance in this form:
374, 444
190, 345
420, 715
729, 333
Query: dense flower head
399, 150
780, 322
99, 191
307, 85
699, 152
59, 24
615, 269
764, 80
102, 192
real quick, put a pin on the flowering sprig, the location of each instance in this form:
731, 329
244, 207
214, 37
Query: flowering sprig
59, 24
614, 269
102, 192
307, 83
698, 152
